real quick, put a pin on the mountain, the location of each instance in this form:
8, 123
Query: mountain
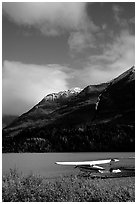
42, 112
8, 119
117, 102
97, 118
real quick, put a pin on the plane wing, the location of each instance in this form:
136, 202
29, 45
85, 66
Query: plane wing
91, 163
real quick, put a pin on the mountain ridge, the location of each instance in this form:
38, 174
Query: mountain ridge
111, 105
64, 94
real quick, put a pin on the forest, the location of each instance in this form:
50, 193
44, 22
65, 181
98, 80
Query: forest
84, 138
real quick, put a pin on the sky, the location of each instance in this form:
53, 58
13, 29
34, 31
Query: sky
50, 47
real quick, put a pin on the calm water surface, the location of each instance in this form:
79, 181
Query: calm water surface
44, 163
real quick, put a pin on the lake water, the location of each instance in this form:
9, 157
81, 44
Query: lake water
44, 163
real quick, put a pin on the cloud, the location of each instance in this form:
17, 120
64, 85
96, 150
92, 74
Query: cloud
84, 37
24, 85
117, 10
50, 18
54, 19
78, 41
132, 20
116, 58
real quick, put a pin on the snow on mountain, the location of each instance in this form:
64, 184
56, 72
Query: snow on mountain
62, 94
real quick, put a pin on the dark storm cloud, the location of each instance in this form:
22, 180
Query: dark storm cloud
51, 18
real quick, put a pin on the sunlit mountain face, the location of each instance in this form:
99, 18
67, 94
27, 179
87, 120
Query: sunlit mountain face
78, 120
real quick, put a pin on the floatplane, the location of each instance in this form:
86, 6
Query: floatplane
92, 166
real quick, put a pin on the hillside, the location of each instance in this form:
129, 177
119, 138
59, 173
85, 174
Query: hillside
7, 120
97, 118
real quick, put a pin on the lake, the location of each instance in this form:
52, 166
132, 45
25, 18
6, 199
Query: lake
44, 163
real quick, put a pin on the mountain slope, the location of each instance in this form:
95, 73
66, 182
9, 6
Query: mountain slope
41, 113
79, 120
117, 102
72, 106
8, 119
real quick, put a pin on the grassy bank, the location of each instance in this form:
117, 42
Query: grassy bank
17, 188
